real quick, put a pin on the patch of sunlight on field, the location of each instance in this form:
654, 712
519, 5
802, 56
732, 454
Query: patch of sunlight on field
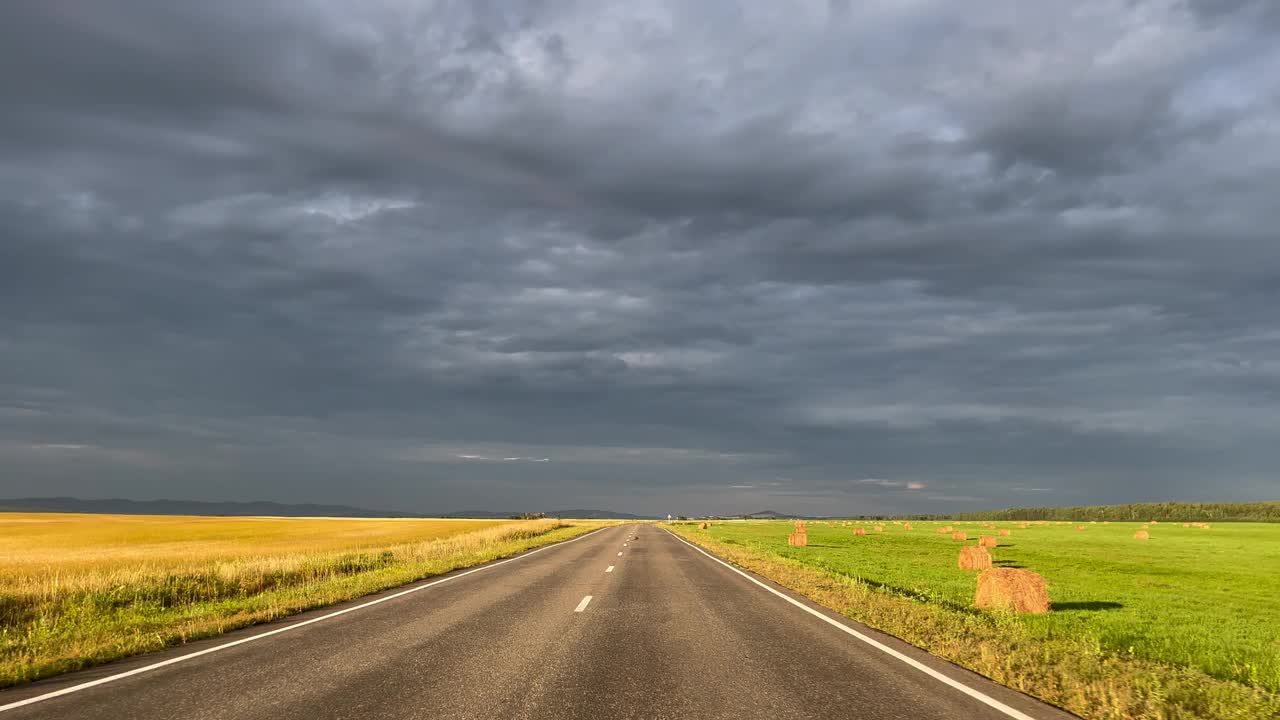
68, 543
1206, 599
76, 590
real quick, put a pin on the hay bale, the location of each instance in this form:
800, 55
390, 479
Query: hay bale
943, 531
798, 539
1005, 533
1012, 589
907, 526
987, 541
974, 558
1186, 524
859, 531
948, 529
879, 528
1142, 535
959, 535
1079, 527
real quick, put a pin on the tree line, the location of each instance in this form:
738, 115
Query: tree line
1135, 512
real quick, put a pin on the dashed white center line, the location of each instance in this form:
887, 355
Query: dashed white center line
609, 569
583, 605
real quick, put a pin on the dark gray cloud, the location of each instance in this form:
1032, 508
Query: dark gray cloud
668, 257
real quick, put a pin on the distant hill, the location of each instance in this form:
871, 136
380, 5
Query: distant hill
118, 506
770, 515
577, 513
594, 515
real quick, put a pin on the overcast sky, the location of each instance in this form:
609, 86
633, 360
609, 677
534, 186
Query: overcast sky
688, 257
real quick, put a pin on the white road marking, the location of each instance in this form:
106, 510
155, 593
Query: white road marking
609, 569
971, 692
583, 605
182, 658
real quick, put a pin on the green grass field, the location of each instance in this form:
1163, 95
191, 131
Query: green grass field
1186, 605
76, 590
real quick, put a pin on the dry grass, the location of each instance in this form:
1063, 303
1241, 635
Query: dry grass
76, 590
974, 558
1013, 589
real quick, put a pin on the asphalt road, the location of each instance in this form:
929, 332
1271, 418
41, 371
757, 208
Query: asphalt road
669, 632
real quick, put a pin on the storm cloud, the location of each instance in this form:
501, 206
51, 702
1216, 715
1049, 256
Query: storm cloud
662, 257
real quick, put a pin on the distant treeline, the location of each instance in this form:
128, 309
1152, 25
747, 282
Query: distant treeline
1182, 512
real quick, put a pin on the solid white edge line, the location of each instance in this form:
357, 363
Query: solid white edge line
975, 694
609, 569
182, 658
583, 605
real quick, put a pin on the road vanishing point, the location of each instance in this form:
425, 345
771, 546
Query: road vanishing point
628, 621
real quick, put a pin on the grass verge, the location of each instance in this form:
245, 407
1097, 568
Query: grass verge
54, 620
1070, 671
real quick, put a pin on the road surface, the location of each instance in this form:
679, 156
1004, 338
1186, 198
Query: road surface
627, 622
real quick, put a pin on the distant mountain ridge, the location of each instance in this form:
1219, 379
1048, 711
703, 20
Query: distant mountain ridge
121, 506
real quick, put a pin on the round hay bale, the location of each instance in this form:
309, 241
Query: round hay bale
879, 528
987, 541
859, 531
1005, 533
1079, 527
948, 529
974, 558
1186, 524
959, 536
907, 526
1012, 589
1142, 535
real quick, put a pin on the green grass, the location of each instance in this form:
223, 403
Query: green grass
77, 590
1190, 609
